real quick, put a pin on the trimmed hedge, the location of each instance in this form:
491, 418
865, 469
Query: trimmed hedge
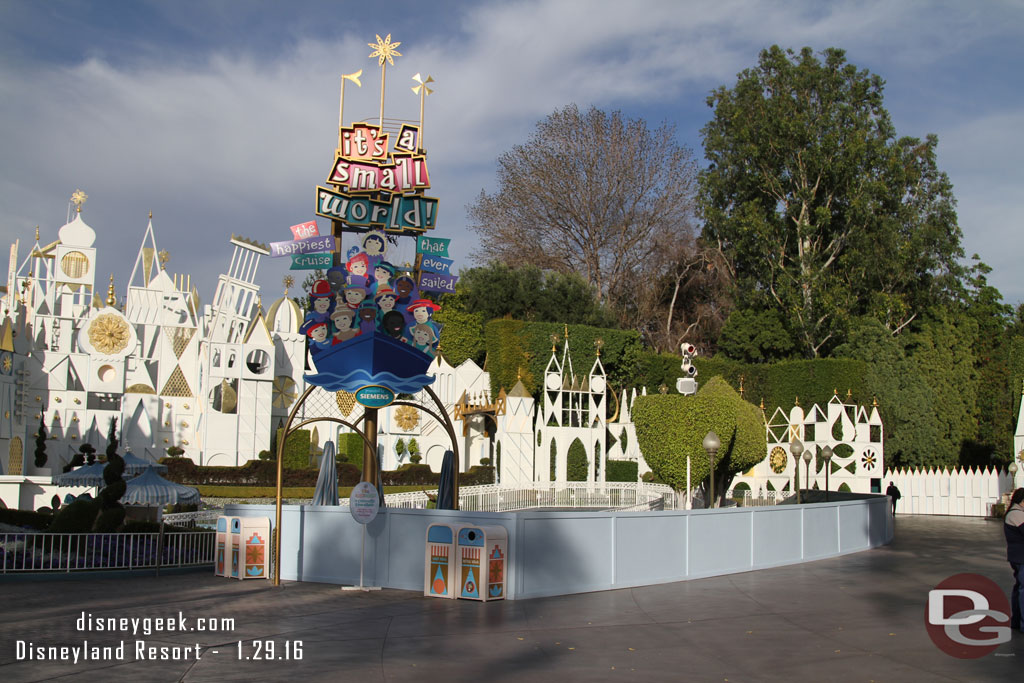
576, 462
252, 473
621, 470
515, 347
350, 448
26, 518
669, 427
296, 449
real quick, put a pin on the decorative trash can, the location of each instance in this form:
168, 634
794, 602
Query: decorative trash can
242, 544
482, 562
439, 563
224, 562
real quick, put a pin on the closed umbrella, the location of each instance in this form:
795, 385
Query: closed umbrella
445, 501
327, 481
149, 488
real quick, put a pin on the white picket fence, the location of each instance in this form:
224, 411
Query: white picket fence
960, 492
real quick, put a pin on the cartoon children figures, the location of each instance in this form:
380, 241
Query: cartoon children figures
353, 295
320, 302
422, 310
367, 317
382, 274
393, 324
375, 245
343, 319
424, 338
385, 301
317, 333
358, 266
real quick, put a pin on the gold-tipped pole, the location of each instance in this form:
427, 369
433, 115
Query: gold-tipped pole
384, 50
341, 104
422, 90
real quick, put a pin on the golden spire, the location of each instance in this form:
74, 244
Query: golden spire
519, 373
384, 50
354, 77
874, 401
78, 198
762, 404
288, 281
111, 297
849, 394
835, 392
566, 331
796, 400
37, 233
598, 344
163, 256
150, 215
741, 386
554, 343
422, 90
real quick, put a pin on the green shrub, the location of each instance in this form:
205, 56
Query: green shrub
576, 462
25, 518
350, 448
410, 474
621, 470
478, 475
296, 449
77, 517
109, 521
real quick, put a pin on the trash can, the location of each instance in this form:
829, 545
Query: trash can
480, 549
223, 565
255, 537
440, 561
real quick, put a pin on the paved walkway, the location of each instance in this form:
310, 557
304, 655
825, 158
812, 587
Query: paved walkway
853, 618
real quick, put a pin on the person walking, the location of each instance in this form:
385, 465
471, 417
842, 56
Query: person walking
894, 495
1013, 527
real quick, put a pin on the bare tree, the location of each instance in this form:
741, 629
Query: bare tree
600, 195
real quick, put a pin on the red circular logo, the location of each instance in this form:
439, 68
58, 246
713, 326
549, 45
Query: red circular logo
967, 616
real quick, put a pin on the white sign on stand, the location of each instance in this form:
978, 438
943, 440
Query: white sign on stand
363, 504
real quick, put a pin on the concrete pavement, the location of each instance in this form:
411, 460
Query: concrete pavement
853, 618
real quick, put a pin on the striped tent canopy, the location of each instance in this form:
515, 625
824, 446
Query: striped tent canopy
133, 464
149, 488
86, 475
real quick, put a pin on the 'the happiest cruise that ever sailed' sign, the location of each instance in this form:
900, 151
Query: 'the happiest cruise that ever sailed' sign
433, 282
311, 261
310, 245
435, 246
375, 396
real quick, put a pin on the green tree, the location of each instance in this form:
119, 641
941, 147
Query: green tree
670, 427
753, 336
414, 452
400, 448
600, 195
41, 444
821, 211
576, 462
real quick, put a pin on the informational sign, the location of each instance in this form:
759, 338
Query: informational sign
310, 245
375, 396
436, 264
364, 502
433, 282
311, 261
435, 246
304, 230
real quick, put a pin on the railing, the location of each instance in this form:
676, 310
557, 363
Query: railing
191, 520
40, 552
598, 495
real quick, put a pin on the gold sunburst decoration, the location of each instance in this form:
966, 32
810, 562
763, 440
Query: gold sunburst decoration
283, 392
346, 402
384, 50
777, 460
407, 417
109, 334
78, 198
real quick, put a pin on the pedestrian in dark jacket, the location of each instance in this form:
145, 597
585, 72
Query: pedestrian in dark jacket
1013, 527
894, 495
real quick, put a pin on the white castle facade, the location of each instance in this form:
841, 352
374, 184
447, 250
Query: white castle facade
215, 381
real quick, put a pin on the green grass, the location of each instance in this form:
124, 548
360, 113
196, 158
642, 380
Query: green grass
209, 491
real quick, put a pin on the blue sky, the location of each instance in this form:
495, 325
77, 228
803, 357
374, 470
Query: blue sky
220, 117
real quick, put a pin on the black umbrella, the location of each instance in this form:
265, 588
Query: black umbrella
445, 501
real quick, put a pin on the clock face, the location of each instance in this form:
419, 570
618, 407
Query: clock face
597, 385
553, 382
777, 460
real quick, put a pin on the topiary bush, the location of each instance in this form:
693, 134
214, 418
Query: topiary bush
77, 517
621, 470
296, 449
576, 462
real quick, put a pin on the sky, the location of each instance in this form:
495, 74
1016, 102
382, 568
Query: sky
221, 117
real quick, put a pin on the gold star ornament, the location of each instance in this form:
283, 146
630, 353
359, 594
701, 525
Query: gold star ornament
384, 50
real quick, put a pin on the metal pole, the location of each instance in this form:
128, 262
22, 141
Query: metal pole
370, 445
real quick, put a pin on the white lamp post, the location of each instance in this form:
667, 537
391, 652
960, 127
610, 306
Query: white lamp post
796, 448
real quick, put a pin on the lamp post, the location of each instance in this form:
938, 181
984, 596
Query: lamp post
711, 444
826, 453
796, 448
1012, 469
807, 466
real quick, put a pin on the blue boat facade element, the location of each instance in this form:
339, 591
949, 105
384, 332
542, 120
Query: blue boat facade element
371, 358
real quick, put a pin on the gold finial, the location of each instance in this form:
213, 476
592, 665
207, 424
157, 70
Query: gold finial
37, 233
663, 389
762, 404
163, 256
422, 90
849, 394
566, 331
78, 198
554, 342
835, 392
288, 281
874, 401
519, 373
741, 386
150, 215
111, 296
259, 304
599, 344
354, 77
384, 51
796, 400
